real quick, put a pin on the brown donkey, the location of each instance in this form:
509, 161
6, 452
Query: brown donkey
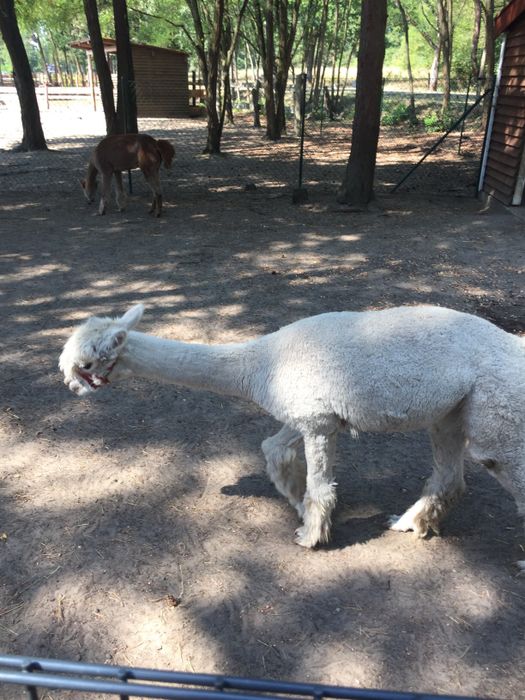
125, 152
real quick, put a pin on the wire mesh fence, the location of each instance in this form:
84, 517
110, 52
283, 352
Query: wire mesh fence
250, 160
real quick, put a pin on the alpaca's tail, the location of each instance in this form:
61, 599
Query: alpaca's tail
167, 152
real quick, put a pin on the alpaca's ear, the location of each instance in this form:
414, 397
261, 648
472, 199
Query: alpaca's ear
118, 339
132, 316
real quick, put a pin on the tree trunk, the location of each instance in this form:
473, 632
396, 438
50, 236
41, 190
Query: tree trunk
489, 57
474, 60
56, 59
36, 38
272, 128
444, 12
275, 18
126, 93
434, 69
357, 186
101, 64
33, 135
256, 105
404, 25
79, 71
215, 53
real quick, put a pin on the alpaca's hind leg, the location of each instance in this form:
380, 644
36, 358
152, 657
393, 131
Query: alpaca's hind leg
445, 485
285, 469
320, 497
119, 191
511, 476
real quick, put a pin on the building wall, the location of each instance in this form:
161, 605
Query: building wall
508, 136
161, 78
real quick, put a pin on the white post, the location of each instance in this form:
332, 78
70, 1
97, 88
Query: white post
490, 125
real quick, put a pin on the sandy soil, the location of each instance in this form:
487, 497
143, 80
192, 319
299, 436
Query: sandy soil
139, 528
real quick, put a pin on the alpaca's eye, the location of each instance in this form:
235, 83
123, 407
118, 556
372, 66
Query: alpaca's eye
88, 365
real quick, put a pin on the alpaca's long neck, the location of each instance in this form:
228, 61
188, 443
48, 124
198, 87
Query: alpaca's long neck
223, 369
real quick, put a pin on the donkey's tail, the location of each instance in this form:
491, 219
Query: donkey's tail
167, 152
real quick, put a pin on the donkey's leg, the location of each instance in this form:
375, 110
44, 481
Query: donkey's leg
446, 484
285, 469
119, 191
105, 194
320, 496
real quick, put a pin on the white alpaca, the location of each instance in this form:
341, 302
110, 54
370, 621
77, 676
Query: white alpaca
400, 369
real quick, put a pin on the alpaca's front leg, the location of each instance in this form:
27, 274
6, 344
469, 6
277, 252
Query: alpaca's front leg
445, 485
285, 469
105, 194
320, 497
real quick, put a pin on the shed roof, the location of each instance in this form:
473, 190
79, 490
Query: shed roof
509, 15
110, 46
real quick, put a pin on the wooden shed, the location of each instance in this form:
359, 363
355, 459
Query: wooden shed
502, 174
161, 77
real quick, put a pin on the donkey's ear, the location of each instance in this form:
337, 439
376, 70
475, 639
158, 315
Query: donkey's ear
132, 316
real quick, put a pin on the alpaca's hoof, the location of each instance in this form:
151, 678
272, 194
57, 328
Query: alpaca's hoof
304, 538
400, 524
407, 523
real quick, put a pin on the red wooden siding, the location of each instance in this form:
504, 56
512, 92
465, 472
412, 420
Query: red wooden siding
508, 134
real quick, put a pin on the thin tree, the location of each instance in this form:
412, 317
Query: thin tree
36, 38
444, 15
33, 135
215, 50
101, 64
490, 58
126, 94
214, 44
422, 16
275, 28
474, 58
404, 26
357, 188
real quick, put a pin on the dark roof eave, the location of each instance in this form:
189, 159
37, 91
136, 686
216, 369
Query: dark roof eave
508, 16
110, 45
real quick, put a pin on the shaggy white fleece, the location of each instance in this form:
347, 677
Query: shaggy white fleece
400, 369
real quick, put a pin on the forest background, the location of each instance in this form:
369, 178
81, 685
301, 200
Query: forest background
440, 44
447, 44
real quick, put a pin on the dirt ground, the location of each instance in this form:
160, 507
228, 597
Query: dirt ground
138, 527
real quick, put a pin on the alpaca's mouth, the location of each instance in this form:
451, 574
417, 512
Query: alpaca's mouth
94, 381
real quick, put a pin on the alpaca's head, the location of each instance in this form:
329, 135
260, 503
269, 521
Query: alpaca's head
90, 355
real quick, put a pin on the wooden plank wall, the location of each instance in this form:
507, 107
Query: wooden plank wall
508, 135
161, 78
